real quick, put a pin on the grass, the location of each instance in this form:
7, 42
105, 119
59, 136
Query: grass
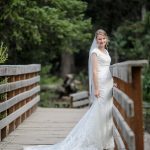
49, 96
50, 80
47, 99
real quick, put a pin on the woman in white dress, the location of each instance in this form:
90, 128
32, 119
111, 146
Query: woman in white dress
95, 129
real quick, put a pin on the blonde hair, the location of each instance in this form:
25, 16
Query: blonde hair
102, 32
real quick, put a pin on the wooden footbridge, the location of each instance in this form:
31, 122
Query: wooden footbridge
19, 96
44, 126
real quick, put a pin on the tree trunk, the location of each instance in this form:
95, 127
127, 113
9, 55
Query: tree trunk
143, 11
67, 63
116, 56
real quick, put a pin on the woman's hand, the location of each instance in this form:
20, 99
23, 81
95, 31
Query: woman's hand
115, 84
97, 93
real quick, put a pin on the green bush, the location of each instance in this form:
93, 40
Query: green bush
146, 84
47, 78
3, 80
82, 77
3, 53
131, 40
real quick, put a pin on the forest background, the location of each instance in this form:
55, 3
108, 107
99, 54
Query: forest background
58, 33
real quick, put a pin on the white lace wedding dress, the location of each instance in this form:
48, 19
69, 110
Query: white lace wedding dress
95, 129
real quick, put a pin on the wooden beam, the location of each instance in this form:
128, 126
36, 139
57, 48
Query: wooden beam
14, 100
125, 102
80, 103
18, 84
6, 121
127, 133
79, 95
8, 70
123, 70
118, 139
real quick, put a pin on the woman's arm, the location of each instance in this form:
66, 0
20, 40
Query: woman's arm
95, 74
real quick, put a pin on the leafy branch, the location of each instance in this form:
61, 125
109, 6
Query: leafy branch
3, 53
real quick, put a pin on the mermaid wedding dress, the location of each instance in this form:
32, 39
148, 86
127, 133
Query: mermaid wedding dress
95, 129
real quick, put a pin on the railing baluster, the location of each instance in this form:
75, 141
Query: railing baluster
19, 101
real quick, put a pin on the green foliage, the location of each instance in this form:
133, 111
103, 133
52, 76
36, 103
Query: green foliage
39, 31
131, 40
46, 78
82, 77
3, 96
3, 53
3, 80
50, 80
45, 70
2, 116
109, 14
146, 84
48, 99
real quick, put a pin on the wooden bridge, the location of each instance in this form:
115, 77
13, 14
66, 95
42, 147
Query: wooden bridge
44, 126
19, 98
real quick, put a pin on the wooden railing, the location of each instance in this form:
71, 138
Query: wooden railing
18, 95
79, 99
127, 109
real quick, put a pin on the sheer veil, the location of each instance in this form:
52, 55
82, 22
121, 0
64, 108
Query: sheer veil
91, 89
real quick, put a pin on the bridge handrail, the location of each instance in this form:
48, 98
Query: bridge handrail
127, 109
18, 95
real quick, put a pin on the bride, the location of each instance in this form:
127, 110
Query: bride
95, 129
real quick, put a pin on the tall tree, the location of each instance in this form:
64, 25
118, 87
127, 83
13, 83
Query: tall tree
40, 31
75, 34
131, 40
109, 14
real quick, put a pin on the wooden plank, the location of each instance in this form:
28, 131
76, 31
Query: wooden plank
123, 73
133, 63
124, 101
118, 139
14, 100
4, 122
127, 133
136, 95
123, 70
18, 84
79, 95
7, 70
80, 103
40, 128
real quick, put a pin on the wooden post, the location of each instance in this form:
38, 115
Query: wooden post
23, 116
17, 106
12, 109
137, 98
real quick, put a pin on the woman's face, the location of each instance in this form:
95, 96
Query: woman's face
101, 41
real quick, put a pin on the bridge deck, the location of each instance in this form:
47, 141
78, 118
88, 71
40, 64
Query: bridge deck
44, 126
47, 126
